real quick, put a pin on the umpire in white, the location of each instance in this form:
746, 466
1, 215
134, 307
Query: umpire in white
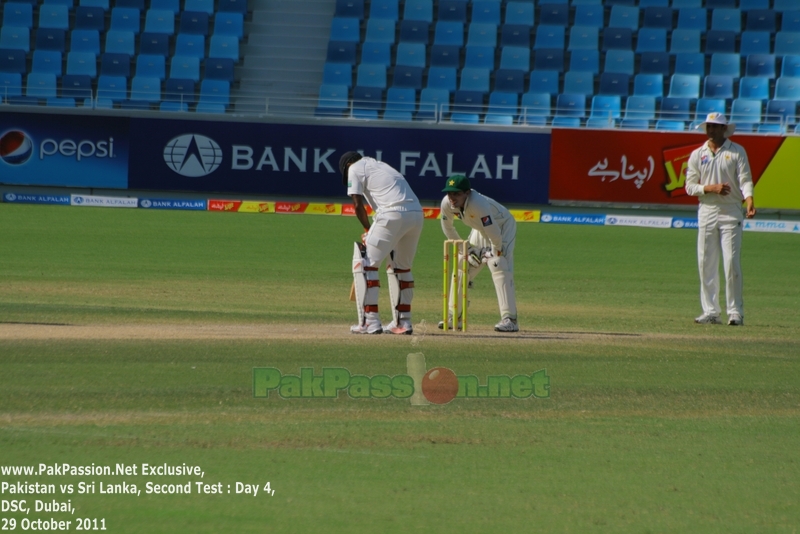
392, 236
719, 175
491, 242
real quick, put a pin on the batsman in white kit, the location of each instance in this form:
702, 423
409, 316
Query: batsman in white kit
491, 243
392, 236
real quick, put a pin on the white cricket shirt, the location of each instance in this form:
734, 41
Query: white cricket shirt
728, 166
381, 185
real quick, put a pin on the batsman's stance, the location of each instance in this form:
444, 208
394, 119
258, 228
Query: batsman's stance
393, 235
491, 241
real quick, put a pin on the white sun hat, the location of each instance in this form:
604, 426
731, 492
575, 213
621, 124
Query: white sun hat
717, 118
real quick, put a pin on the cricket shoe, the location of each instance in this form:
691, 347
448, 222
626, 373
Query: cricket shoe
507, 325
707, 318
403, 329
735, 319
366, 329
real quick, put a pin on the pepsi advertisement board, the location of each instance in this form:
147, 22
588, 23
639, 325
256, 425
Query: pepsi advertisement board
64, 150
303, 160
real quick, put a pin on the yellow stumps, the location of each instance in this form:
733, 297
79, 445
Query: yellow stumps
455, 279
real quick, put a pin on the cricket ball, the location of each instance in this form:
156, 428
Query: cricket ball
440, 385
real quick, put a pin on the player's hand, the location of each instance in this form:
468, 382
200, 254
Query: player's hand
750, 208
364, 237
720, 189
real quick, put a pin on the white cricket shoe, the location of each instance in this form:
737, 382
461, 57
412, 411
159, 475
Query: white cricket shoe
707, 318
507, 325
372, 325
735, 319
449, 324
404, 328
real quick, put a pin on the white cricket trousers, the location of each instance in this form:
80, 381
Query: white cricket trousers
397, 231
720, 231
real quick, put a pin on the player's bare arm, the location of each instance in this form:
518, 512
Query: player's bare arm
361, 210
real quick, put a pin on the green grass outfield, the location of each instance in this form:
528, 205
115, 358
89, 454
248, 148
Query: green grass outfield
130, 336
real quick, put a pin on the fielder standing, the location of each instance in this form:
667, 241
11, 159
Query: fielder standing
491, 241
393, 236
719, 175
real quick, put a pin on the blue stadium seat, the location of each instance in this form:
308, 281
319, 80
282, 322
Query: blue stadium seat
452, 10
583, 38
704, 106
43, 61
15, 38
136, 4
12, 60
536, 108
209, 107
341, 52
154, 43
787, 44
577, 3
754, 88
332, 74
69, 4
450, 33
151, 66
486, 12
551, 59
725, 64
371, 75
415, 31
146, 90
509, 81
173, 106
411, 54
579, 83
82, 63
588, 60
217, 68
199, 6
10, 85
684, 86
224, 46
725, 4
725, 19
418, 10
554, 14
116, 65
173, 6
195, 22
746, 5
605, 111
640, 108
183, 91
787, 88
214, 92
589, 15
442, 78
560, 121
745, 113
378, 31
718, 87
159, 21
345, 29
790, 21
502, 107
515, 35
49, 39
676, 4
784, 5
665, 124
190, 45
113, 88
651, 40
617, 39
232, 6
570, 106
76, 86
41, 85
684, 41
90, 18
760, 65
790, 66
544, 81
516, 58
54, 16
692, 18
548, 37
654, 63
752, 42
119, 42
407, 77
474, 79
650, 85
445, 56
657, 17
676, 109
85, 41
480, 57
377, 52
125, 19
367, 102
482, 34
233, 24
619, 61
58, 102
344, 8
18, 14
614, 83
433, 103
519, 13
384, 9
783, 111
720, 41
761, 20
624, 17
468, 102
400, 103
690, 64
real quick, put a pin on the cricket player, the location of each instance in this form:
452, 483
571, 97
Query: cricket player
392, 236
491, 242
718, 174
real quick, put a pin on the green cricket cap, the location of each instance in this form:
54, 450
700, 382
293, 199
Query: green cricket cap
457, 182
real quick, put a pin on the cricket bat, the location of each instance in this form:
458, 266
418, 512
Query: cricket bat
353, 291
